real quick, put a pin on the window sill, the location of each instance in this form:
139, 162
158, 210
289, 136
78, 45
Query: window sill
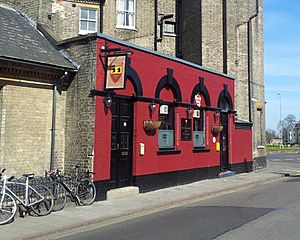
200, 149
168, 151
126, 28
170, 34
86, 32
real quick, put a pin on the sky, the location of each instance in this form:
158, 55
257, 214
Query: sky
282, 59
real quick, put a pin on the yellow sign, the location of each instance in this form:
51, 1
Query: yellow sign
218, 147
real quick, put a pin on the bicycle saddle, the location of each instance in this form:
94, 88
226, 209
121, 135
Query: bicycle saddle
28, 175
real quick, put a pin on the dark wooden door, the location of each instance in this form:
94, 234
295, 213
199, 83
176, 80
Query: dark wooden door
121, 143
224, 142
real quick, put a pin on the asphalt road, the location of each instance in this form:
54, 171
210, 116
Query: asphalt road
267, 212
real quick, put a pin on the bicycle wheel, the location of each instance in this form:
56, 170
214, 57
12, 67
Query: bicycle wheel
59, 195
8, 208
85, 192
45, 198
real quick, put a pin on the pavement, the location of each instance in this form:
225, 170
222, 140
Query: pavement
111, 211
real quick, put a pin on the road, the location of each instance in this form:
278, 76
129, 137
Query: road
267, 212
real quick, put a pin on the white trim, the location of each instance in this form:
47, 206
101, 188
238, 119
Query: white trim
126, 27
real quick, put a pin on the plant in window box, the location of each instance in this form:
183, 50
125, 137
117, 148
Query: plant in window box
216, 129
150, 125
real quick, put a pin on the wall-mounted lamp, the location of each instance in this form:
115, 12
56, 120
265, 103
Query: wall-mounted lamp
152, 107
216, 116
189, 111
107, 100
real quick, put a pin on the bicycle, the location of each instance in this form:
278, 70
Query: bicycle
80, 187
57, 189
39, 199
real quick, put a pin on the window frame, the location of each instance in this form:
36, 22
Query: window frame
171, 147
133, 27
172, 34
83, 32
201, 126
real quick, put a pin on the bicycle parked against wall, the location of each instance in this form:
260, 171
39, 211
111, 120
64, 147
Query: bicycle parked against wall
36, 200
79, 187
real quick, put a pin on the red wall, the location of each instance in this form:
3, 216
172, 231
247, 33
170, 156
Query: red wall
151, 68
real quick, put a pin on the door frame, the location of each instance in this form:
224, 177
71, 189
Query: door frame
118, 98
224, 158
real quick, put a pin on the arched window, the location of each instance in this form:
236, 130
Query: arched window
199, 121
166, 129
200, 98
167, 90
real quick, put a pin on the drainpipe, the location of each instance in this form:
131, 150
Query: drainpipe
101, 5
53, 128
224, 6
177, 53
52, 157
249, 33
155, 24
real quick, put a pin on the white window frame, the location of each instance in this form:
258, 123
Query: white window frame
202, 114
120, 10
167, 131
82, 32
169, 23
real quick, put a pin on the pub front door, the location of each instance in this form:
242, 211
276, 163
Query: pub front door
121, 143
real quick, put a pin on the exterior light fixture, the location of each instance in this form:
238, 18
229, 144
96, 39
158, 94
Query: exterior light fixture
189, 111
107, 101
152, 107
216, 115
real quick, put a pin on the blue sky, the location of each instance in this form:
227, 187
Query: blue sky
282, 59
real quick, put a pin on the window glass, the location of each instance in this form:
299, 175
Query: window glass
84, 14
92, 26
92, 15
83, 25
169, 27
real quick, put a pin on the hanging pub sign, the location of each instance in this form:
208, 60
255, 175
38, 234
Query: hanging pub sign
115, 72
198, 100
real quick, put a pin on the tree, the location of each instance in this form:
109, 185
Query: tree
284, 125
270, 134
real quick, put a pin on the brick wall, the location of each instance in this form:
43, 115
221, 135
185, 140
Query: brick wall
61, 20
212, 34
31, 8
26, 120
79, 130
2, 126
209, 12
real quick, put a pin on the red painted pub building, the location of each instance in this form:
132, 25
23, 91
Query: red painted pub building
161, 121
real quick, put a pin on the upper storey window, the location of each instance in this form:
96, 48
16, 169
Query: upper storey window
126, 13
88, 20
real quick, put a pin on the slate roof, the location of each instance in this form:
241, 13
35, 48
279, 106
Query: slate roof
20, 40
